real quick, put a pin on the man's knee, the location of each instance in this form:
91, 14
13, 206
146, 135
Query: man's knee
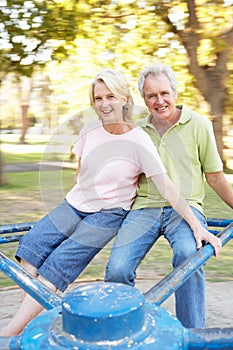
119, 272
182, 254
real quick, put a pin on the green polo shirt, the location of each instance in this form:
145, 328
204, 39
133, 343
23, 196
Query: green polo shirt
188, 150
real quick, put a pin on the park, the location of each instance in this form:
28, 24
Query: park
49, 53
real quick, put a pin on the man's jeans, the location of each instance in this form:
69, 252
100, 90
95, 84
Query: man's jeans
139, 231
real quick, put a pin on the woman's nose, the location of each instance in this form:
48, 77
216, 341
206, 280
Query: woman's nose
105, 101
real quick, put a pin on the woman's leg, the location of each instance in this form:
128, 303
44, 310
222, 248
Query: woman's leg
48, 233
28, 309
34, 248
66, 262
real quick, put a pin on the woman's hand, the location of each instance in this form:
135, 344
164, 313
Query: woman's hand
201, 234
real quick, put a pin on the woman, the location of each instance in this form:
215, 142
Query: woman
112, 153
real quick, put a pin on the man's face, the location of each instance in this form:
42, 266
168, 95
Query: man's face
159, 97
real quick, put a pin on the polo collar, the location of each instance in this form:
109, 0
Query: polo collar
184, 117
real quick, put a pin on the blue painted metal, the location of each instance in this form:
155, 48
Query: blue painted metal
10, 239
212, 338
32, 286
16, 227
13, 228
102, 316
22, 227
170, 283
114, 316
218, 222
102, 307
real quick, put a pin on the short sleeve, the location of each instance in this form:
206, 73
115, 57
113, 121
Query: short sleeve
209, 156
148, 157
79, 144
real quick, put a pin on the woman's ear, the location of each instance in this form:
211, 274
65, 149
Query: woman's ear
125, 110
125, 101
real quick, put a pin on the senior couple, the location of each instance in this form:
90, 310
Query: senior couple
134, 183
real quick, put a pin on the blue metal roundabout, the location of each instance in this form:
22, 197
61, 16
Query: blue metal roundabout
101, 316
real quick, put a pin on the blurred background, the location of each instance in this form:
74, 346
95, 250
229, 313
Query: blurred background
49, 52
51, 49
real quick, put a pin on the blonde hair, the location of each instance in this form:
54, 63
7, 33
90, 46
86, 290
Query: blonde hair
118, 85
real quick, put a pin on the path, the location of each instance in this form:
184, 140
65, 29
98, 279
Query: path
219, 307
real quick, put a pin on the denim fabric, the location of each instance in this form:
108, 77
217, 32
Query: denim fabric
139, 231
62, 243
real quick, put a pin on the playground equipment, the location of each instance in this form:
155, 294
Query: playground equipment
112, 316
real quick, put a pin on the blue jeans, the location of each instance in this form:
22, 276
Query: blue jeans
139, 231
63, 243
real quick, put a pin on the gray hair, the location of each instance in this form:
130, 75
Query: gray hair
118, 85
154, 70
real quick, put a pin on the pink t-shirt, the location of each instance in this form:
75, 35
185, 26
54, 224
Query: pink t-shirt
110, 167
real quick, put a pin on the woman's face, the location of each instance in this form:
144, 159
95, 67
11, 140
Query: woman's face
108, 107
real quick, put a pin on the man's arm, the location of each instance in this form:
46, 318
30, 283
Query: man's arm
224, 190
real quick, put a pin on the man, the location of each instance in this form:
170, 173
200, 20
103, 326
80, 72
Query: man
187, 147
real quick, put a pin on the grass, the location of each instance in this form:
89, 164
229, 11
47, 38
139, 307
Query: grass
17, 158
28, 195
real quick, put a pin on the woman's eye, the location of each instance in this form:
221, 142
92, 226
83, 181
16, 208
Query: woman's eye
97, 99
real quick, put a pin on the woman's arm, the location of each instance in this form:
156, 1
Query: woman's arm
170, 192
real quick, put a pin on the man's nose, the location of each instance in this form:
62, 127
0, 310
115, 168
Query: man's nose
159, 99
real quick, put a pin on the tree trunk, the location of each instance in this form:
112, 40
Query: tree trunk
25, 88
24, 109
210, 79
218, 126
3, 179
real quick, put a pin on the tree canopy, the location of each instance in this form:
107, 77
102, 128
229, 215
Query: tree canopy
33, 32
194, 36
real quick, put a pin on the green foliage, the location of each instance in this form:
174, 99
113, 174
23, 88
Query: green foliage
34, 31
121, 34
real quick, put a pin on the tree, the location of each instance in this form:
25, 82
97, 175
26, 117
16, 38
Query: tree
154, 29
31, 33
198, 35
194, 36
